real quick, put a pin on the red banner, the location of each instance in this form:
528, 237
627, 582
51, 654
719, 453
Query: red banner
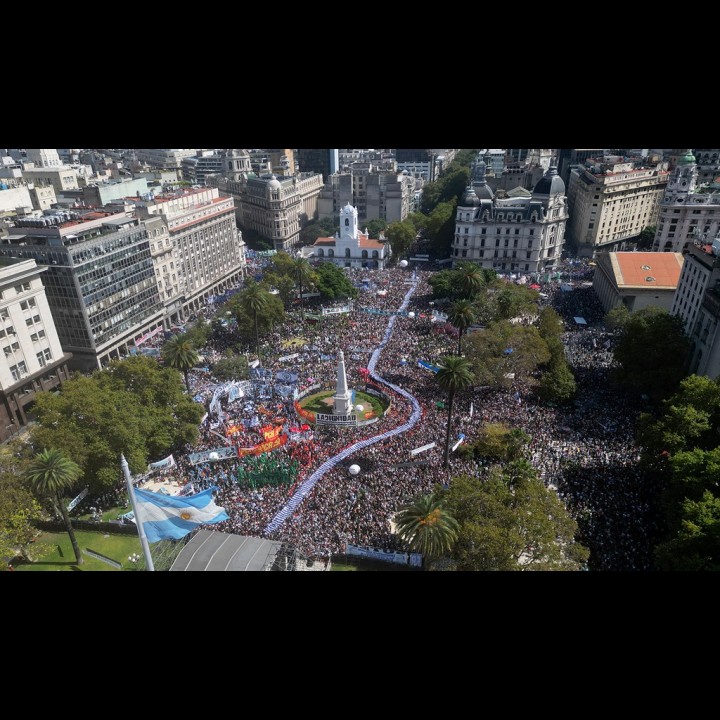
271, 432
263, 447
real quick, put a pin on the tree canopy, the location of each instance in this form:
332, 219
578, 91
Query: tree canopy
332, 283
501, 349
134, 406
426, 526
401, 236
651, 351
509, 520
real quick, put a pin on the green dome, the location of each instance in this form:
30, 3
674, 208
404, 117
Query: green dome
687, 159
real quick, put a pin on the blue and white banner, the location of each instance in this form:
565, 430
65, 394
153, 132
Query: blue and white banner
171, 517
167, 462
428, 366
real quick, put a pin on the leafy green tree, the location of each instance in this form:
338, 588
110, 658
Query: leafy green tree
52, 475
651, 351
285, 287
496, 441
324, 227
304, 275
515, 301
557, 384
502, 349
272, 314
455, 375
441, 228
18, 511
617, 318
509, 520
233, 367
688, 419
401, 236
199, 333
332, 283
178, 353
469, 280
549, 324
418, 220
462, 316
375, 227
254, 299
134, 406
646, 237
426, 526
696, 545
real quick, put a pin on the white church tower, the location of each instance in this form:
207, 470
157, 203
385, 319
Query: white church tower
349, 224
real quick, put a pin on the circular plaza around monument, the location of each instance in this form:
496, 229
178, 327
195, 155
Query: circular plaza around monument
365, 407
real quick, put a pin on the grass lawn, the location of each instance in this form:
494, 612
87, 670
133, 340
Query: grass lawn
316, 402
60, 555
367, 564
111, 514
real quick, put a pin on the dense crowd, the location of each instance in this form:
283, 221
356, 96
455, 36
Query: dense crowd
586, 452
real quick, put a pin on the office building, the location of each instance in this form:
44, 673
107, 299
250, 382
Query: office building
32, 359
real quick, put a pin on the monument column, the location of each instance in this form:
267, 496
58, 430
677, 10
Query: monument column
341, 398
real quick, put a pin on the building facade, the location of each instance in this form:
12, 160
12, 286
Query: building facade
167, 159
688, 213
523, 232
321, 161
611, 200
376, 193
197, 249
196, 169
637, 279
350, 247
32, 360
62, 178
697, 302
276, 208
99, 281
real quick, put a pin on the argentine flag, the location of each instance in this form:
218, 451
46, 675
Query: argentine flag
168, 517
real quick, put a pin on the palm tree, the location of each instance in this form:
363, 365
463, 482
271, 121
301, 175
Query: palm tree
303, 276
179, 353
461, 315
427, 526
471, 280
50, 474
454, 374
254, 299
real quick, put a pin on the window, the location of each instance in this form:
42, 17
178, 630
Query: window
482, 232
517, 231
41, 359
47, 353
532, 232
4, 315
22, 287
464, 253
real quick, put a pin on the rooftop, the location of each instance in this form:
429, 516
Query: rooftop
647, 269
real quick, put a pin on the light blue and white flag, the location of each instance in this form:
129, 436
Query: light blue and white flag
171, 517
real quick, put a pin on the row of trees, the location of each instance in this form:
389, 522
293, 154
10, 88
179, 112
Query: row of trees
506, 520
499, 350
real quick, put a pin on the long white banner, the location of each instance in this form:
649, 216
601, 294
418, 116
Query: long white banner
422, 448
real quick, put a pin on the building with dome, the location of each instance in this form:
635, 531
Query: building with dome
276, 208
611, 200
350, 247
689, 213
521, 233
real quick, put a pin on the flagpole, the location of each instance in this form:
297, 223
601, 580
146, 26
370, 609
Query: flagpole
141, 529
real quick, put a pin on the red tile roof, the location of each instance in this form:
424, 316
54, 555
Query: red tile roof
634, 269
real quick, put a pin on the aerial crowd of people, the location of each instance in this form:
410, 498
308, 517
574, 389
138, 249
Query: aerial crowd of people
585, 452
